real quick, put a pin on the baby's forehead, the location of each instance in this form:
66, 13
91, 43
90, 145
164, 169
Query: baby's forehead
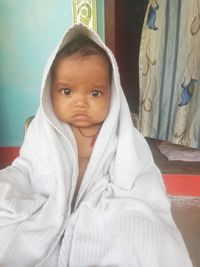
78, 57
81, 48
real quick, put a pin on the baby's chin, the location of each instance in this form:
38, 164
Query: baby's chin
86, 125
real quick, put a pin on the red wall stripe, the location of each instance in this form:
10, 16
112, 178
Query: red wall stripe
176, 184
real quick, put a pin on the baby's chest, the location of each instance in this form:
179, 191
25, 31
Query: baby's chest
84, 151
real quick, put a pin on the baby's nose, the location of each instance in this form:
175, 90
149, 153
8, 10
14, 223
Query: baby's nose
81, 101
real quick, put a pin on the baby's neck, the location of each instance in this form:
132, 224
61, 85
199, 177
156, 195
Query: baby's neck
85, 138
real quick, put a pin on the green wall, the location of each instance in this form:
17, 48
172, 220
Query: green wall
100, 18
29, 31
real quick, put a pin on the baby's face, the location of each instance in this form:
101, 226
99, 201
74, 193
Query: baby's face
81, 90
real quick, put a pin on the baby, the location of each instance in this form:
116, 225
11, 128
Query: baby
81, 80
85, 190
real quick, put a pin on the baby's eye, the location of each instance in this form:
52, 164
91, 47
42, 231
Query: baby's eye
96, 93
66, 91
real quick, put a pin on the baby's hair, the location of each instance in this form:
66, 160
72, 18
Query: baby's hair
83, 46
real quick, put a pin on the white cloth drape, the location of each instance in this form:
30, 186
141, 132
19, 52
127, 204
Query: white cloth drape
122, 215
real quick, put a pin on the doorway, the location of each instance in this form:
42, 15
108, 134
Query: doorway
123, 26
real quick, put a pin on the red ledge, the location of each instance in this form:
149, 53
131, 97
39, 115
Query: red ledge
7, 155
182, 184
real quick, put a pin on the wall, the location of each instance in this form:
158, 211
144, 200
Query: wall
100, 18
29, 31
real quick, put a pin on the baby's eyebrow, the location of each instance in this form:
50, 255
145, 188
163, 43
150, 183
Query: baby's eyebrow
62, 84
100, 86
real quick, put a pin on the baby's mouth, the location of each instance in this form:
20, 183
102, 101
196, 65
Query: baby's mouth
81, 117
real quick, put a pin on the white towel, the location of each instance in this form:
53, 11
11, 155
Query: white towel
122, 215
